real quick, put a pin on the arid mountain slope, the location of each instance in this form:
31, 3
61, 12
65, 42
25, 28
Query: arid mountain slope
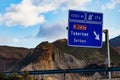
115, 42
57, 55
118, 49
89, 55
9, 56
46, 56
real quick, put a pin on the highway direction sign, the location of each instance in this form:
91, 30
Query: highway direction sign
85, 29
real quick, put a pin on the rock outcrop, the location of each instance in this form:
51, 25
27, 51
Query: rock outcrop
46, 56
58, 55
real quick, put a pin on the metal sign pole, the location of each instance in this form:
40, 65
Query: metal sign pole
64, 75
108, 52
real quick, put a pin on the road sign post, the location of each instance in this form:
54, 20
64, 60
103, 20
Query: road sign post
85, 29
108, 74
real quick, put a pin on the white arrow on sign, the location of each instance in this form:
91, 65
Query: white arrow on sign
96, 36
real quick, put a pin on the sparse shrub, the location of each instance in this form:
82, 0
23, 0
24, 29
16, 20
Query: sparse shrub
3, 77
26, 76
14, 76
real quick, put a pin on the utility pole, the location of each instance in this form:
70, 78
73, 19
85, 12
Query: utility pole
108, 74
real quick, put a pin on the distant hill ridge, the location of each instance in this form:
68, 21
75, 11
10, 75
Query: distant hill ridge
56, 55
9, 56
115, 42
90, 55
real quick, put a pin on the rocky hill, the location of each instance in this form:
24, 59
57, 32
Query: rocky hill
115, 42
57, 55
46, 56
118, 49
89, 55
10, 56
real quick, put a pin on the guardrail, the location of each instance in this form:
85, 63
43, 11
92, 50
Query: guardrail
64, 71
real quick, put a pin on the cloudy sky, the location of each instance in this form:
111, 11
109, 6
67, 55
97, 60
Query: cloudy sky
26, 23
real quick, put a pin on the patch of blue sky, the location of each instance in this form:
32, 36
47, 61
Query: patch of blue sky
18, 31
54, 17
4, 4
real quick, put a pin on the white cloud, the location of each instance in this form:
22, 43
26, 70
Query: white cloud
23, 14
111, 5
0, 18
15, 40
31, 12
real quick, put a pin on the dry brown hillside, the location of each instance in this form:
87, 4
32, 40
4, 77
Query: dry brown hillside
10, 56
58, 55
89, 55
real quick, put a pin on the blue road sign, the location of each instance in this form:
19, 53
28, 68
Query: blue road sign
85, 29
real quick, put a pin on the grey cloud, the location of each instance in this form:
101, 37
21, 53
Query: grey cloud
52, 32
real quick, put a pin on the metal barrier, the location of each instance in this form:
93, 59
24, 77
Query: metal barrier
64, 71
